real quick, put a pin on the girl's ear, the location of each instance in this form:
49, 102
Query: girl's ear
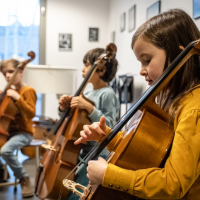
102, 71
21, 72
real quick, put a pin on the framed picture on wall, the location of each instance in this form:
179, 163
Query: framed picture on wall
65, 41
196, 9
154, 10
122, 22
93, 34
131, 17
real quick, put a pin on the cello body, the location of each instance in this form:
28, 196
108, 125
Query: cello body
8, 111
59, 161
147, 143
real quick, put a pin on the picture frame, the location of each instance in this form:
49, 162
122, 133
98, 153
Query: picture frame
132, 18
93, 34
154, 10
196, 9
123, 22
65, 42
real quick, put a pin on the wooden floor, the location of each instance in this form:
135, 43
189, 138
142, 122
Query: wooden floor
7, 192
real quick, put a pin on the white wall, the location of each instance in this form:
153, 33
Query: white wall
75, 17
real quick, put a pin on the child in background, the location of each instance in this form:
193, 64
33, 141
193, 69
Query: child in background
102, 94
20, 129
156, 44
106, 102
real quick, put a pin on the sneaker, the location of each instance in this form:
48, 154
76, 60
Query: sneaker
26, 187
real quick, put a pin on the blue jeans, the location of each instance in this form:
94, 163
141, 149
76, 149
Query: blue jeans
16, 141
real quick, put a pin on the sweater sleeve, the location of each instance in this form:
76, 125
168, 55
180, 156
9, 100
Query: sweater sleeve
109, 108
181, 169
26, 102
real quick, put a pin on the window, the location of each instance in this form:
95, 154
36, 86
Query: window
19, 28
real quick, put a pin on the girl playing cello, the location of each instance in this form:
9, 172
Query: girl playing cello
156, 44
102, 95
20, 130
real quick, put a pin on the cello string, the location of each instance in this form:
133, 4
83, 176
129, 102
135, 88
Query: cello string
133, 120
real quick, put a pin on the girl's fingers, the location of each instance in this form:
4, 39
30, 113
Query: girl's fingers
97, 128
83, 135
65, 100
87, 129
74, 99
103, 123
72, 105
80, 140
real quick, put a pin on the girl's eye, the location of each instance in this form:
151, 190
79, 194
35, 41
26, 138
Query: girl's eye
148, 61
10, 71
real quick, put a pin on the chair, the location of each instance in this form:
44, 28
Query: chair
34, 143
37, 143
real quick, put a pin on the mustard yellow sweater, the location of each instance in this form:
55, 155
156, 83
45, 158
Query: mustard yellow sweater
26, 111
179, 179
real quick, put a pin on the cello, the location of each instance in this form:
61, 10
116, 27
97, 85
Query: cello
8, 109
62, 155
148, 139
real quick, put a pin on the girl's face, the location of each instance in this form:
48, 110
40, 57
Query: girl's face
8, 72
152, 59
86, 68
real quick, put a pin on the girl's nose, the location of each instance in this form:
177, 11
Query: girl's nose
7, 75
143, 71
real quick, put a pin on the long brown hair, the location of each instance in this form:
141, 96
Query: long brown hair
169, 31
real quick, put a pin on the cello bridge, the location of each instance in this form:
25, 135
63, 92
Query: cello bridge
49, 147
71, 185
